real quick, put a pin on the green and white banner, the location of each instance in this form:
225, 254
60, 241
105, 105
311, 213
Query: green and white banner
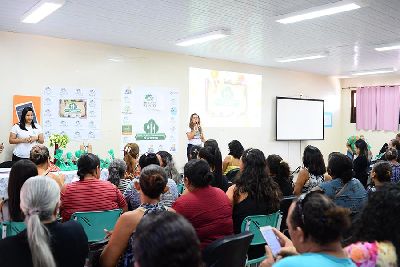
149, 117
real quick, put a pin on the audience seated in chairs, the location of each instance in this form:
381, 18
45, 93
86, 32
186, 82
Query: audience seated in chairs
232, 161
20, 172
343, 189
45, 242
166, 239
361, 162
168, 197
207, 208
90, 193
194, 152
40, 156
376, 235
131, 154
315, 225
254, 193
152, 183
116, 174
279, 170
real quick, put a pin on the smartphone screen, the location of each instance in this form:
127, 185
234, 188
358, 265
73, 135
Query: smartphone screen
271, 239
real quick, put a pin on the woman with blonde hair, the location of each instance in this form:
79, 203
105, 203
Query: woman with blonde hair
45, 242
131, 154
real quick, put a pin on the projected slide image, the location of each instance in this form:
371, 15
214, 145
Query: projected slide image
225, 99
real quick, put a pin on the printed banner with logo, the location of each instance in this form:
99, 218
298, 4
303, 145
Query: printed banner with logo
75, 112
149, 117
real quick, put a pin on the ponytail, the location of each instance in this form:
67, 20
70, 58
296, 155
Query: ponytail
38, 239
39, 198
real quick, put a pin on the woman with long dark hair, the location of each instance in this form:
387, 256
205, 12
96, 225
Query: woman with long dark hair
194, 133
313, 171
20, 172
25, 135
361, 162
211, 153
254, 192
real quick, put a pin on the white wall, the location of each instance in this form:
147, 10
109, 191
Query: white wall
375, 138
29, 63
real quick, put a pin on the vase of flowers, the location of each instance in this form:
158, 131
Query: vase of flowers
58, 141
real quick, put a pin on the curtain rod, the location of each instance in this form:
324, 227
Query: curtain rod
355, 87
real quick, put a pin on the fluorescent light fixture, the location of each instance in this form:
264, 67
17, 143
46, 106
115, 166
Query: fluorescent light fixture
202, 38
42, 10
320, 11
371, 72
303, 57
388, 47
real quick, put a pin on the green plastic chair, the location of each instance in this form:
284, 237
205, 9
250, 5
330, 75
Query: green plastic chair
180, 188
11, 228
253, 224
94, 222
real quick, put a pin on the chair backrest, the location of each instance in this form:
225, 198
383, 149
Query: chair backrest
180, 188
11, 228
7, 164
94, 222
253, 224
228, 251
231, 175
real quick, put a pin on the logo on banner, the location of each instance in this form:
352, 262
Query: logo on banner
150, 102
150, 132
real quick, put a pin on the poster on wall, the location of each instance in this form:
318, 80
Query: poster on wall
149, 117
224, 98
75, 112
20, 102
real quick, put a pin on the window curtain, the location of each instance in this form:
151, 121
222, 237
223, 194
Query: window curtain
378, 108
366, 108
387, 108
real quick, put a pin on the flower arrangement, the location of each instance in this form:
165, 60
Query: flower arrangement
59, 139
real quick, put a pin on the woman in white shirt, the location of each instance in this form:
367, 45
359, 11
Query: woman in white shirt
25, 135
194, 133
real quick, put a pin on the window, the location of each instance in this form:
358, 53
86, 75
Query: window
353, 107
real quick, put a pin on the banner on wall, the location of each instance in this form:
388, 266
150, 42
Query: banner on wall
149, 117
20, 102
75, 112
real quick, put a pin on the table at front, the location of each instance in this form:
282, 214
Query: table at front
70, 176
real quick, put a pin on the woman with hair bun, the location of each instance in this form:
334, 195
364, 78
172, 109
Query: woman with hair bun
391, 156
207, 208
316, 226
343, 189
41, 157
90, 193
381, 174
45, 242
119, 250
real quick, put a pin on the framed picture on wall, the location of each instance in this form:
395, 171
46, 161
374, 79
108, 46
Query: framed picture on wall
328, 119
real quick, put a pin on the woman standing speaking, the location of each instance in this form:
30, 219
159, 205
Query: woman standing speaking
194, 133
25, 135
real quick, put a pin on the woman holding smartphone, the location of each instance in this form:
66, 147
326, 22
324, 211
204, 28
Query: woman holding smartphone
25, 135
194, 133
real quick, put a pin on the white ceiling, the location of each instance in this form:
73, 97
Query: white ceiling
256, 38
